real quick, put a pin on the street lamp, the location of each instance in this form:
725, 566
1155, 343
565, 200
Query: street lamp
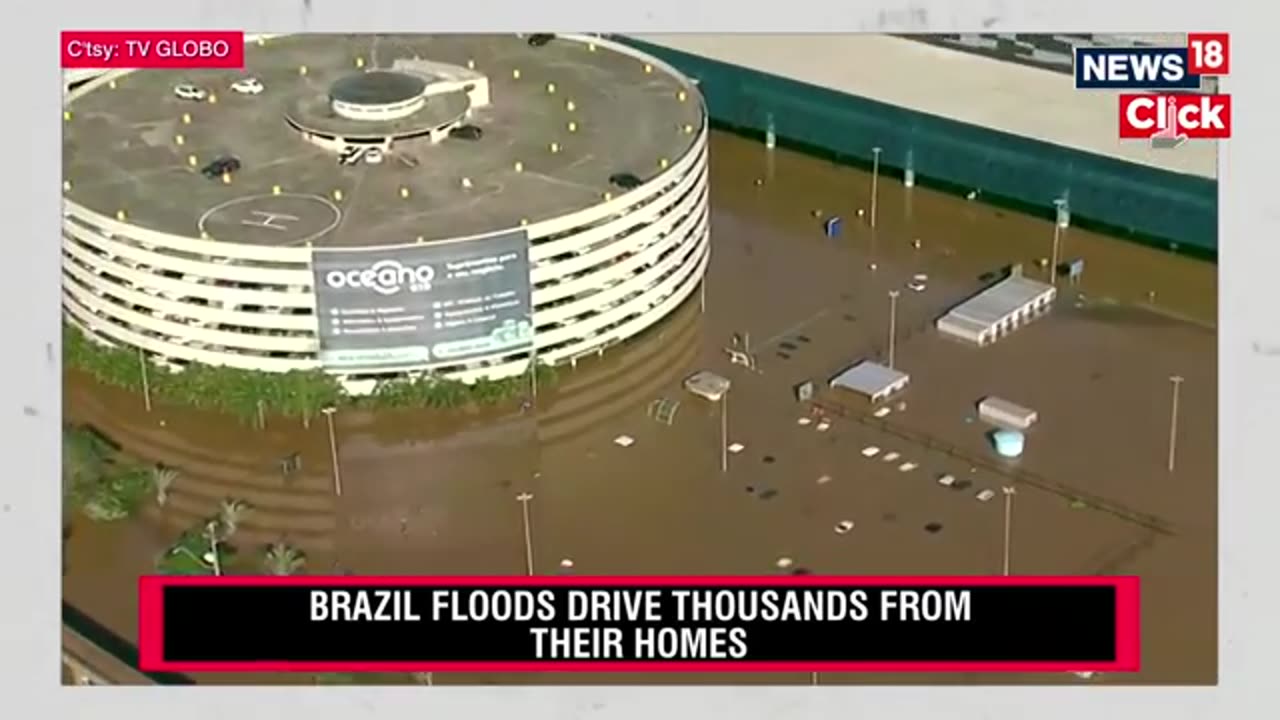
146, 381
333, 450
524, 499
724, 432
1057, 239
208, 559
1173, 419
1009, 492
211, 528
875, 183
893, 327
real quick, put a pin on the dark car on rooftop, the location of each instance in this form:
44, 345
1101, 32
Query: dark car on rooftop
625, 181
466, 132
222, 166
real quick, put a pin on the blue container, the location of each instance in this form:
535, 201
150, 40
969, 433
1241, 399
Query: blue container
831, 228
1008, 443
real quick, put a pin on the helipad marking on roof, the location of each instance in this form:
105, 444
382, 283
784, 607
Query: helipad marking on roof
279, 220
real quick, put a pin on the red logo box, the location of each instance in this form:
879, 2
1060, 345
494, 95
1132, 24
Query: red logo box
1196, 117
141, 49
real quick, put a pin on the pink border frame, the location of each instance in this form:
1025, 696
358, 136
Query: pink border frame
151, 624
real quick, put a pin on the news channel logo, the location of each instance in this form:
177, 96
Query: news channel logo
1163, 100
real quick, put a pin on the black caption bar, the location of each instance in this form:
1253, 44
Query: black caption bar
501, 624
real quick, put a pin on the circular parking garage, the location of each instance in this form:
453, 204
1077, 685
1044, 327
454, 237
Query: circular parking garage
459, 204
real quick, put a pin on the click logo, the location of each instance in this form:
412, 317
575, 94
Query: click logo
385, 277
1167, 121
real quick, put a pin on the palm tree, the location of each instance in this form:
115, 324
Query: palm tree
162, 478
230, 512
281, 558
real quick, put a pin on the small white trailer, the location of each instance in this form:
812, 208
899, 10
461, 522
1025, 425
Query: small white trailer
1000, 412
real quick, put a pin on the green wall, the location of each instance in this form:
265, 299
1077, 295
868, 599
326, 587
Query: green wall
1144, 203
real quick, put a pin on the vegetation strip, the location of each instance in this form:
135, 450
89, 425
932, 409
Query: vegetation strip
250, 394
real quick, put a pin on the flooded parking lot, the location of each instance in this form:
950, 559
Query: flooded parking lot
428, 493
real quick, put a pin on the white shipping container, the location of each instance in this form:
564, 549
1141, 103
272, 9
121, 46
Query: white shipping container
1002, 412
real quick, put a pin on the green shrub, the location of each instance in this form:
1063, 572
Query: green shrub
298, 394
175, 562
86, 457
109, 365
119, 494
98, 481
186, 556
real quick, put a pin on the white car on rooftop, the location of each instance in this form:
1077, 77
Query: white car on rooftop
248, 86
187, 91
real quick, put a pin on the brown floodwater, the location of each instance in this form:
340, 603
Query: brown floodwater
427, 492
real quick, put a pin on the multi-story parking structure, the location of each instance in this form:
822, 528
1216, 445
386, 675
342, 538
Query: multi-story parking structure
596, 151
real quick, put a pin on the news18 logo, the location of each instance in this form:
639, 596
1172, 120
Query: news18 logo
1173, 106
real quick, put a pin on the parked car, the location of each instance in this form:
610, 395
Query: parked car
916, 285
540, 39
373, 156
248, 86
466, 132
625, 181
221, 166
187, 91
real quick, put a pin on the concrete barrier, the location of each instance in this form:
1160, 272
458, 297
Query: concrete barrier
982, 131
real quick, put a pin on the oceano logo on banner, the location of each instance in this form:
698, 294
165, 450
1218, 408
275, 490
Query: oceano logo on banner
385, 277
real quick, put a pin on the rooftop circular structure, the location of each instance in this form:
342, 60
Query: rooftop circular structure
385, 95
377, 87
475, 137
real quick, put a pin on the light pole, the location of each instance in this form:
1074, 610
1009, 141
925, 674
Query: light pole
146, 381
212, 529
333, 450
533, 363
1057, 240
524, 499
208, 559
1173, 419
1009, 492
875, 183
724, 432
893, 327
